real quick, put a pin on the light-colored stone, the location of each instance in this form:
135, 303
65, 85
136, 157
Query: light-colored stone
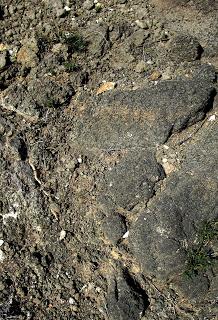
62, 235
142, 24
105, 87
2, 256
140, 67
155, 75
88, 4
3, 59
27, 55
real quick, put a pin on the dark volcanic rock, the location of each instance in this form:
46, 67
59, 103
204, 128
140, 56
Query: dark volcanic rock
114, 227
132, 180
126, 300
136, 122
142, 118
185, 48
168, 228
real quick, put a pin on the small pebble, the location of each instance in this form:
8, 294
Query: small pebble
88, 4
62, 235
140, 67
3, 59
80, 160
71, 301
66, 8
141, 24
126, 235
155, 75
212, 118
2, 256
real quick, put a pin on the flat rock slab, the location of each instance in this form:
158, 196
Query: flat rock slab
141, 118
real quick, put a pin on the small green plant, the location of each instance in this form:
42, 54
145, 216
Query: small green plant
75, 42
71, 66
199, 259
98, 8
200, 256
49, 103
208, 232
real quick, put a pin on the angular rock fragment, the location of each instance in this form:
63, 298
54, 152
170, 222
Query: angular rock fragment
16, 98
185, 48
27, 55
126, 299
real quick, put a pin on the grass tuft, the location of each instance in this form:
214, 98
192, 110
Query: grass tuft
75, 42
200, 257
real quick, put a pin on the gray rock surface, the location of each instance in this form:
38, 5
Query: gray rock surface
16, 98
167, 229
108, 201
185, 48
31, 99
143, 118
126, 300
132, 180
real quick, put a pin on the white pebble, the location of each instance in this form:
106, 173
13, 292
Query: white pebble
149, 62
71, 301
1, 242
80, 160
66, 8
62, 235
212, 118
126, 235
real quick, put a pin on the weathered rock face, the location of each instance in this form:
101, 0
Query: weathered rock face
135, 123
142, 118
165, 231
108, 200
100, 186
